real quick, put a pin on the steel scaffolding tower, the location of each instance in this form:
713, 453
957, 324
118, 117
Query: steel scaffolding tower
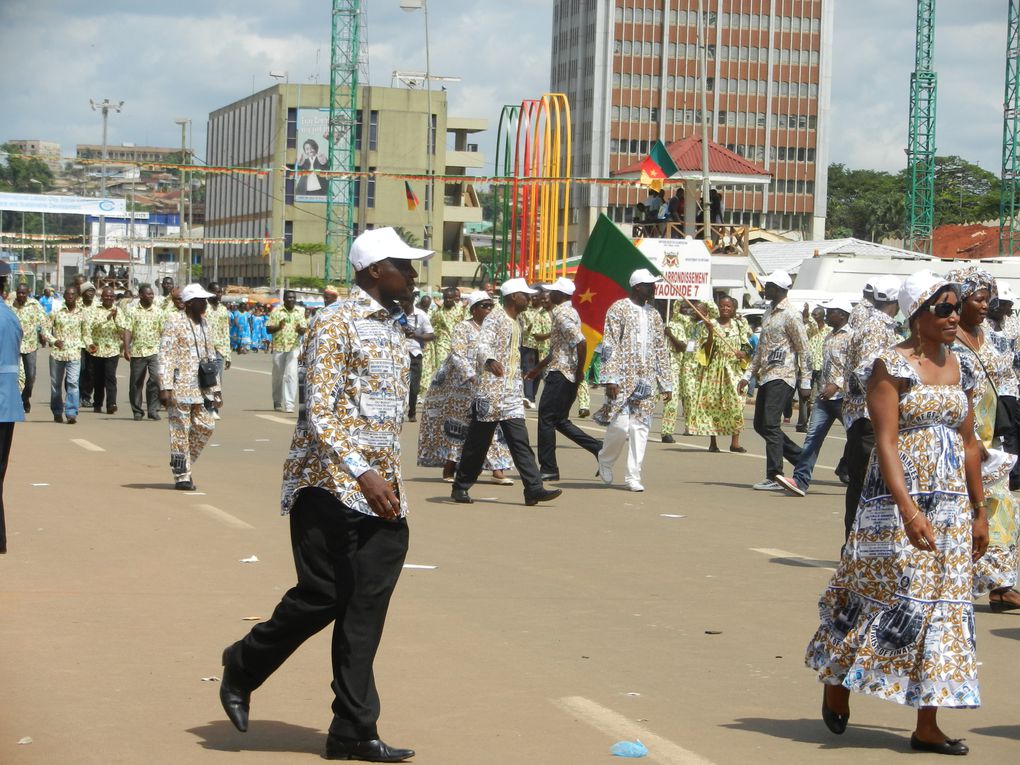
343, 97
921, 135
1009, 200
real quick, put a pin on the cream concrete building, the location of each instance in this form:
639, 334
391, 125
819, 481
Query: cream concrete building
285, 127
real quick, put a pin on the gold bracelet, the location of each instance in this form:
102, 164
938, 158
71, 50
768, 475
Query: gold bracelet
917, 512
979, 505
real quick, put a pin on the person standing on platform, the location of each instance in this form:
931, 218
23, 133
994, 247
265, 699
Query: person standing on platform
499, 400
418, 333
142, 326
635, 366
33, 321
343, 490
875, 331
564, 369
679, 334
828, 406
67, 335
187, 377
443, 319
218, 318
105, 351
286, 324
781, 359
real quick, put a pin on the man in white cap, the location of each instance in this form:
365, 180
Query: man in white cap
565, 369
781, 358
635, 367
343, 490
1004, 332
829, 401
874, 332
499, 400
187, 372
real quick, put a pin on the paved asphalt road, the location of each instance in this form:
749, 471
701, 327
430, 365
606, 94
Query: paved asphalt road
523, 635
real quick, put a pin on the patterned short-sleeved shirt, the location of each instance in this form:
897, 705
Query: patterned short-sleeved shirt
218, 318
875, 331
71, 329
834, 359
286, 338
106, 332
782, 352
33, 321
566, 334
634, 357
541, 324
183, 344
146, 327
356, 384
816, 341
499, 398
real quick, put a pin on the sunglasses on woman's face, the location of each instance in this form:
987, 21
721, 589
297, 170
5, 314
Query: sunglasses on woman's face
945, 309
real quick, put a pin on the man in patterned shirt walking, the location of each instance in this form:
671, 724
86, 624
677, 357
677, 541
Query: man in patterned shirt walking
142, 326
286, 324
565, 364
343, 489
68, 335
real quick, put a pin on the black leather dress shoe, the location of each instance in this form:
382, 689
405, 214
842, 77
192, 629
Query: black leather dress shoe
461, 496
949, 746
543, 496
835, 722
372, 750
236, 701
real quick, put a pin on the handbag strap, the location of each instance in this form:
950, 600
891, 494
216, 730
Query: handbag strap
205, 339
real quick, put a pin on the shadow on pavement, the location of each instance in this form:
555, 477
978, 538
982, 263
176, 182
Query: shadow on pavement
813, 731
1002, 731
1011, 634
263, 736
805, 563
169, 486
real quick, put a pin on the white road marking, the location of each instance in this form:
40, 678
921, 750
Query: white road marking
87, 445
224, 517
274, 418
253, 371
40, 484
419, 566
248, 450
774, 553
619, 727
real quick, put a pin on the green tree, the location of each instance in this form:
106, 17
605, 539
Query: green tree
311, 249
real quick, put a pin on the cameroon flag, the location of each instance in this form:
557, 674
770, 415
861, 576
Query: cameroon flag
603, 277
657, 167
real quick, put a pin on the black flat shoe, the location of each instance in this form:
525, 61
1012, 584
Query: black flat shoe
668, 439
373, 750
713, 449
461, 496
834, 722
543, 496
738, 450
236, 702
949, 746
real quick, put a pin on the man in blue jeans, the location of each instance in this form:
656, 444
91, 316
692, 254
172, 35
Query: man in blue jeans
68, 334
829, 403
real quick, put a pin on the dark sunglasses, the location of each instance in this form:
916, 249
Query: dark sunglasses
945, 309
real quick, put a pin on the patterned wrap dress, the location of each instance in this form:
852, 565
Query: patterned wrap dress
717, 409
446, 411
681, 327
898, 622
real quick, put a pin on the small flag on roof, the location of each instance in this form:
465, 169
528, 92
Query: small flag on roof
657, 167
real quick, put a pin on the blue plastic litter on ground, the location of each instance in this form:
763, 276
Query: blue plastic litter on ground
629, 749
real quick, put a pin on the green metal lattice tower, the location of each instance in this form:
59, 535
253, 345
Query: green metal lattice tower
1009, 200
921, 134
343, 99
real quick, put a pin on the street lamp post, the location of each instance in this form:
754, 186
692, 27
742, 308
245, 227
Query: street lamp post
414, 5
104, 108
274, 278
183, 122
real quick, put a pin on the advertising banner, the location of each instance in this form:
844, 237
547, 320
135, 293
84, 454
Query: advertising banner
45, 203
686, 266
312, 154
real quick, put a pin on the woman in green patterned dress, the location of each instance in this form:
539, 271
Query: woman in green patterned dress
717, 409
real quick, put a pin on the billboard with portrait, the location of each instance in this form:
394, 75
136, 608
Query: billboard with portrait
312, 155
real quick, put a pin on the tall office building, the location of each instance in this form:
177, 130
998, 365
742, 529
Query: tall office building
631, 69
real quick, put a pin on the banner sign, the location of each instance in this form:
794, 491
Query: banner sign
45, 203
312, 155
686, 266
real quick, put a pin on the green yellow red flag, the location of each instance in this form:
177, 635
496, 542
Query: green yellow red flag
657, 167
603, 277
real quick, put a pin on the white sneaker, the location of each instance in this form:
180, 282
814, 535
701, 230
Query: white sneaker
635, 486
606, 474
790, 485
767, 485
215, 414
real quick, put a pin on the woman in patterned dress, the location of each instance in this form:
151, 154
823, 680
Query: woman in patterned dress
996, 572
446, 411
717, 409
897, 621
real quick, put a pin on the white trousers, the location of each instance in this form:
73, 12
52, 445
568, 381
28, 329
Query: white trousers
285, 379
627, 429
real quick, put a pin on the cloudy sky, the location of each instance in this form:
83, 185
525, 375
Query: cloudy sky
187, 58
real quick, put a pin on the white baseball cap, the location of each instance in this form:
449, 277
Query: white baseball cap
643, 276
519, 284
780, 278
839, 304
477, 297
379, 244
563, 284
886, 288
1006, 294
193, 291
